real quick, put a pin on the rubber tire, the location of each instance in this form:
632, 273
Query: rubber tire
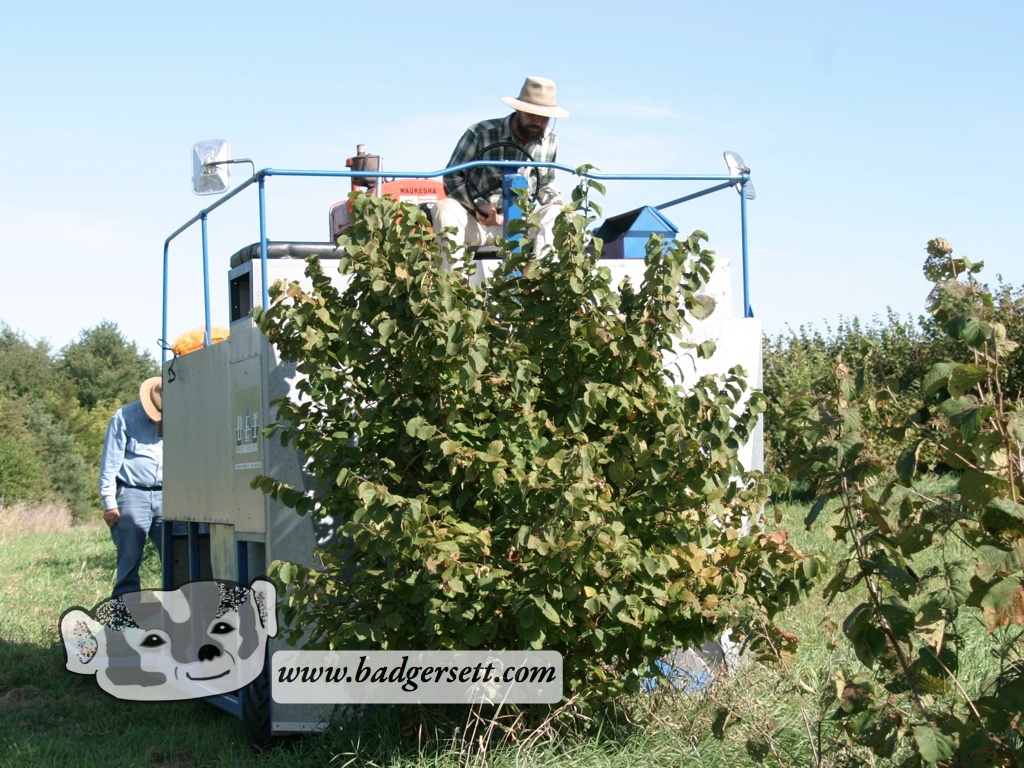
256, 712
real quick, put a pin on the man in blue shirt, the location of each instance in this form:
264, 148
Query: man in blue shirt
131, 481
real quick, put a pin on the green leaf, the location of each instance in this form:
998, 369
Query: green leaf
367, 493
477, 361
979, 488
937, 378
969, 421
286, 572
473, 636
577, 418
933, 745
930, 626
547, 610
965, 377
818, 505
1015, 427
867, 638
898, 578
899, 616
706, 349
906, 464
413, 425
1003, 594
976, 332
701, 305
1004, 513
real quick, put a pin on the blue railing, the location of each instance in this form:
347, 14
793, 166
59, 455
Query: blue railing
259, 178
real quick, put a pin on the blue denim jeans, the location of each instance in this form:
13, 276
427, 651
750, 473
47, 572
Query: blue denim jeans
141, 518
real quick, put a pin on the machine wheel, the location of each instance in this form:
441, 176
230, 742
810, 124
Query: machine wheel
497, 151
256, 712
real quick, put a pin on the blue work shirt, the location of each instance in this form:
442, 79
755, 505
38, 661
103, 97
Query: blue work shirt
133, 454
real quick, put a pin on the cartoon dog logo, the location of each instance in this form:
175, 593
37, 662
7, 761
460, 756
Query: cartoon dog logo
204, 639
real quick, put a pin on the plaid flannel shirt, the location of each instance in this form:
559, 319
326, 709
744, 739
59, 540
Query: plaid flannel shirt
485, 133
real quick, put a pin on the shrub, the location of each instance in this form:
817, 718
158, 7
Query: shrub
511, 463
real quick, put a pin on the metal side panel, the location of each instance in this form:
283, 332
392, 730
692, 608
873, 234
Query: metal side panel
197, 446
223, 552
245, 419
289, 535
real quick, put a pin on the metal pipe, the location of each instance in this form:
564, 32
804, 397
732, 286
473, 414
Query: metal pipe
694, 196
210, 163
206, 284
163, 322
264, 291
167, 247
167, 553
747, 310
248, 182
501, 164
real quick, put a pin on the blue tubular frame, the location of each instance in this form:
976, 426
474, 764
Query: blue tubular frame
259, 178
747, 310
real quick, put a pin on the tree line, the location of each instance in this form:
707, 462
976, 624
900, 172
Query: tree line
54, 409
893, 353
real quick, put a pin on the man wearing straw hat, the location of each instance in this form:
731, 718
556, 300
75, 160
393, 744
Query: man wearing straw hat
474, 203
131, 481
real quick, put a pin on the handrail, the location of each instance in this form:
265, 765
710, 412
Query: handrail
201, 216
259, 177
508, 164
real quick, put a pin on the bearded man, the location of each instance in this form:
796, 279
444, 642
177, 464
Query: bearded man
474, 203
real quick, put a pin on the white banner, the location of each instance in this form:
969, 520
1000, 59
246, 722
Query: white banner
416, 677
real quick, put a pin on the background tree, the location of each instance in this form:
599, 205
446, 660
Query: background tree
894, 352
54, 411
23, 477
105, 367
26, 368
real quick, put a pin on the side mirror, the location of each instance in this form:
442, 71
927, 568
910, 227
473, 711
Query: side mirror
211, 173
737, 166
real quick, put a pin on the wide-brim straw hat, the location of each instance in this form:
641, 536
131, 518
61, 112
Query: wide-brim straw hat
151, 395
537, 97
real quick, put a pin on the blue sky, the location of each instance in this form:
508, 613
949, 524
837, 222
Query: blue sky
869, 128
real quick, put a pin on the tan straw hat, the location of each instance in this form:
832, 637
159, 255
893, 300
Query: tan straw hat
538, 98
151, 395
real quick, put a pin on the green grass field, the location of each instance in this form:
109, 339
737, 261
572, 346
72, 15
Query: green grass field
49, 717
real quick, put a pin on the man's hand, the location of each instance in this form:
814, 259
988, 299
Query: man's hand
489, 216
111, 516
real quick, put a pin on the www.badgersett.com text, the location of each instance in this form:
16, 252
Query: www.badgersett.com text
416, 677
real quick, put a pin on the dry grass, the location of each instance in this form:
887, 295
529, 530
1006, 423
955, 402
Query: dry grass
41, 518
